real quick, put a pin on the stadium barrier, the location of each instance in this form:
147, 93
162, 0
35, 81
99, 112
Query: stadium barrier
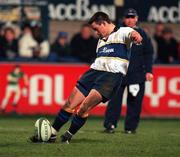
50, 85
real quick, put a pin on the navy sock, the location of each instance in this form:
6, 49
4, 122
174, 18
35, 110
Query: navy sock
76, 124
61, 119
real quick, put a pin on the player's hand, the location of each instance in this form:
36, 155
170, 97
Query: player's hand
149, 76
136, 37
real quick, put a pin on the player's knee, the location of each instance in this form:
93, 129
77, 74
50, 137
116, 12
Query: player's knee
83, 112
67, 107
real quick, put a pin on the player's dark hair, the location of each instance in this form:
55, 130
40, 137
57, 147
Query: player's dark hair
99, 17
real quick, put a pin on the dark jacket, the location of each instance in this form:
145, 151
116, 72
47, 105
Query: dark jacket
141, 60
61, 51
85, 50
9, 50
167, 49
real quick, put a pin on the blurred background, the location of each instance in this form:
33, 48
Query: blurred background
51, 44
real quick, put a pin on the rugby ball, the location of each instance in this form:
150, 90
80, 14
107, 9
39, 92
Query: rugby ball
43, 129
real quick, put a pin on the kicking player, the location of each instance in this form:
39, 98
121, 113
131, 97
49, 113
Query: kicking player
98, 83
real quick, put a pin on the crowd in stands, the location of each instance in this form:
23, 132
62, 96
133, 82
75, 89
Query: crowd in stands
30, 45
167, 45
81, 48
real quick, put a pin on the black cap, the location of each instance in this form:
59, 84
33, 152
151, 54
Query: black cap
130, 12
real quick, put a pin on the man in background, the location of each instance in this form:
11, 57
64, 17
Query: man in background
167, 48
83, 45
140, 70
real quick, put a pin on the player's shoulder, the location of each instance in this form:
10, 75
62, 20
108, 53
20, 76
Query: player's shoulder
125, 29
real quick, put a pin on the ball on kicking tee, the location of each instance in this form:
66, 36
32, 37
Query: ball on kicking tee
43, 129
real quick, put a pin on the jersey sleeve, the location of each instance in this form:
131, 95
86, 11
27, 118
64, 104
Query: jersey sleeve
125, 34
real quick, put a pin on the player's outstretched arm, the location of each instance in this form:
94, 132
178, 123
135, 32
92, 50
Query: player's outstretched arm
136, 37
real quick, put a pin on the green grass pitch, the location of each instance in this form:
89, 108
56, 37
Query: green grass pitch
155, 138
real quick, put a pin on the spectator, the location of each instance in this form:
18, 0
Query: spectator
158, 31
168, 52
158, 37
27, 43
179, 52
41, 51
9, 44
83, 45
61, 48
2, 54
147, 30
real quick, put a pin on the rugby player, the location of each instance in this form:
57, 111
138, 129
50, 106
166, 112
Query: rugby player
98, 83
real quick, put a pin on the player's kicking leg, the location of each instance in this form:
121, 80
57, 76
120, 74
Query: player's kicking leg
76, 97
79, 119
